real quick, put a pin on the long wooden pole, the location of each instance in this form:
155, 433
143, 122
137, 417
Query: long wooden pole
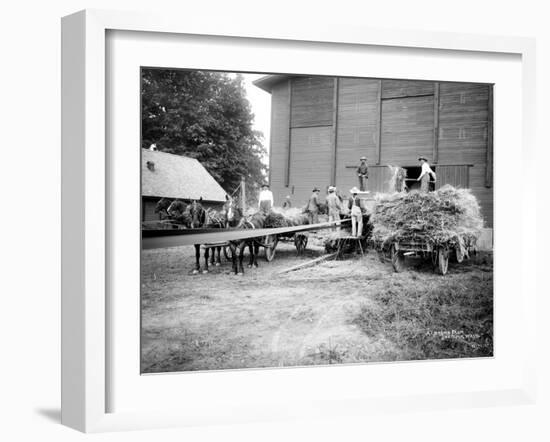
379, 124
435, 150
489, 159
334, 132
243, 195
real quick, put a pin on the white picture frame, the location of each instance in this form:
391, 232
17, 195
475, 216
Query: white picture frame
85, 310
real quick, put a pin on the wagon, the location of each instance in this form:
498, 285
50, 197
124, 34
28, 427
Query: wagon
270, 242
439, 256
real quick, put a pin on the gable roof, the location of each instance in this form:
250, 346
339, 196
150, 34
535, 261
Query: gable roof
176, 176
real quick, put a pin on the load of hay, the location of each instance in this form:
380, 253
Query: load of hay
278, 217
447, 217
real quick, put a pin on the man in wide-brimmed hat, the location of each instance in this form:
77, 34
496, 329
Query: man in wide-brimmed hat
265, 200
363, 173
425, 174
312, 208
354, 205
334, 206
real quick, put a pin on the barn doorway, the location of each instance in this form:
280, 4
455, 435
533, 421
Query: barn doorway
413, 172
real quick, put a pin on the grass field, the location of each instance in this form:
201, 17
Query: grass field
349, 311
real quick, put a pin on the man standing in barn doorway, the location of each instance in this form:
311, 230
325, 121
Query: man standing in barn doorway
363, 174
425, 174
312, 207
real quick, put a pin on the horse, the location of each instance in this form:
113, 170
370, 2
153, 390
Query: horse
201, 217
255, 221
162, 208
177, 211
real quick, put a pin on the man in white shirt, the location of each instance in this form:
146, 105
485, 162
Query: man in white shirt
266, 199
425, 173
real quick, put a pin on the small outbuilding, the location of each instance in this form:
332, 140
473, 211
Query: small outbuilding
164, 175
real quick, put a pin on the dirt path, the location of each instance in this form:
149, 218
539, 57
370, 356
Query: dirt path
261, 319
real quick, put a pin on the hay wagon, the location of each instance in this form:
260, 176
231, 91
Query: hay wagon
439, 256
270, 243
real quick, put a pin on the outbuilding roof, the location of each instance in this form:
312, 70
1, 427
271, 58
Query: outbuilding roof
176, 176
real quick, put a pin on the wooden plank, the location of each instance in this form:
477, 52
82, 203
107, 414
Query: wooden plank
435, 153
174, 238
406, 88
307, 264
489, 160
334, 131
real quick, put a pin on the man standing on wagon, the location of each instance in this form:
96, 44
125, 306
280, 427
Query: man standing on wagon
363, 174
265, 199
354, 205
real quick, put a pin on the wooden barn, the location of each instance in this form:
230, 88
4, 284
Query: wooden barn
321, 126
164, 175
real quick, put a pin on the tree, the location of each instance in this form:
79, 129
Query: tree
203, 115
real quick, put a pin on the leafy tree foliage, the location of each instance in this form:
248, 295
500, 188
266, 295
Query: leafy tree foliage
203, 115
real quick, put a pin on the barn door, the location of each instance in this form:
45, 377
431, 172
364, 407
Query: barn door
456, 176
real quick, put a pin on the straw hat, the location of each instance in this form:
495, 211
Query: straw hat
354, 190
331, 188
363, 158
422, 158
315, 189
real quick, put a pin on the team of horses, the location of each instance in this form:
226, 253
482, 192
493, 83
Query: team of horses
194, 216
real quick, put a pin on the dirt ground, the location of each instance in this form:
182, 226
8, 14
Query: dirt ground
347, 311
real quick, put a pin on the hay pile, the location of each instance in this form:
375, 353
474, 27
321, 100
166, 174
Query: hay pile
279, 217
447, 217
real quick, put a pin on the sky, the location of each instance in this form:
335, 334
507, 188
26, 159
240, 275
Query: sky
261, 108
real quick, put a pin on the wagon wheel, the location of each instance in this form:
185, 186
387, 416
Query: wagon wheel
443, 260
300, 241
270, 242
397, 259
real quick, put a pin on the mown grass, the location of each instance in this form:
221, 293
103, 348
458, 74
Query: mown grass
432, 317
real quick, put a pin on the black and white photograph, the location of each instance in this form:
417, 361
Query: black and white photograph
304, 220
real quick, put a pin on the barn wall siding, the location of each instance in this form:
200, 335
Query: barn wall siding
280, 114
311, 161
463, 136
408, 128
357, 128
312, 100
